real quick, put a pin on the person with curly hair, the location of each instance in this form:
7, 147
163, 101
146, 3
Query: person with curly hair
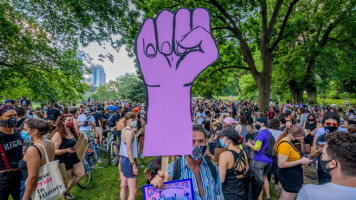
338, 160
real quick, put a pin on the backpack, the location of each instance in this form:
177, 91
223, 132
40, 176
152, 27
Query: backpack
178, 169
271, 141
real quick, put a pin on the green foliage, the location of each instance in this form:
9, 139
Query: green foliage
127, 86
31, 65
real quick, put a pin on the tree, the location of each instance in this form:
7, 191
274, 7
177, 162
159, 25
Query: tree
255, 28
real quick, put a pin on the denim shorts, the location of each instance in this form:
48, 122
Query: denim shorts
126, 167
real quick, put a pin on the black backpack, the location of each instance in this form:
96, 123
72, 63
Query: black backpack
271, 141
178, 169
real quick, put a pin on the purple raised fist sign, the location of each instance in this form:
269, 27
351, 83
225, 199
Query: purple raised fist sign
172, 50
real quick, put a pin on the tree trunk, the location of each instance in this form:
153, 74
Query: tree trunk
264, 81
312, 93
297, 90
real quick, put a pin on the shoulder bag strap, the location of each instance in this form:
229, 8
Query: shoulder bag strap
212, 169
45, 152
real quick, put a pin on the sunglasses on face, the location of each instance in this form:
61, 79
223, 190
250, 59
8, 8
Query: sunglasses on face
331, 124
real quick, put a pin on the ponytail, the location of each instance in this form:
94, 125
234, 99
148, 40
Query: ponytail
283, 134
295, 130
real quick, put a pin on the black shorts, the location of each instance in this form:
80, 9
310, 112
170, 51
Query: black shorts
291, 178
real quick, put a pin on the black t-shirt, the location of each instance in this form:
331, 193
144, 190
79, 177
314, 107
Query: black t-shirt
97, 118
12, 146
352, 121
310, 127
53, 114
206, 125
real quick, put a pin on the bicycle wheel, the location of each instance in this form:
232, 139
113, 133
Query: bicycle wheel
83, 183
102, 158
106, 144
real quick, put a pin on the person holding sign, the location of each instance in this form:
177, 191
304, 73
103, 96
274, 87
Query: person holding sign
128, 153
203, 172
34, 157
233, 165
64, 138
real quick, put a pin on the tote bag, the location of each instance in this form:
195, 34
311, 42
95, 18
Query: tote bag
49, 183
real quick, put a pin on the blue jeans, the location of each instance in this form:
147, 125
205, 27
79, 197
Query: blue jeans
22, 189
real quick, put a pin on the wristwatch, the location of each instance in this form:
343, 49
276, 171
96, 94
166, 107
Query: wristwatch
133, 163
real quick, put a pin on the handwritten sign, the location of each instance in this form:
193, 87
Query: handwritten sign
62, 169
81, 146
177, 190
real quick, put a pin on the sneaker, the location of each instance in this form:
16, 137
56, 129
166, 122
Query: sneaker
98, 160
69, 195
115, 160
141, 166
141, 156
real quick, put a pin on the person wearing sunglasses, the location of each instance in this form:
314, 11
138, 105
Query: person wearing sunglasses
331, 123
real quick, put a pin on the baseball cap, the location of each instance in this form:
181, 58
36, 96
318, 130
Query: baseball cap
229, 121
230, 132
262, 120
73, 109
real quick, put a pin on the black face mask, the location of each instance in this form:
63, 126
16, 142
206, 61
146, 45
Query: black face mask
198, 152
9, 123
330, 129
311, 120
258, 127
323, 164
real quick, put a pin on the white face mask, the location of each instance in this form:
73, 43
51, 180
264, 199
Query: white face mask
133, 124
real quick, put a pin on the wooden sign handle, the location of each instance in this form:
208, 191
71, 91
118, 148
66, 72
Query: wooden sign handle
164, 167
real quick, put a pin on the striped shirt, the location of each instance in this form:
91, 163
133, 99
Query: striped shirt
212, 190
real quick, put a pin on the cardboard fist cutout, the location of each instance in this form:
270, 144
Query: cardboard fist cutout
172, 50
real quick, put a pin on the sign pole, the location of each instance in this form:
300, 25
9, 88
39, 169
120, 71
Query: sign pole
164, 167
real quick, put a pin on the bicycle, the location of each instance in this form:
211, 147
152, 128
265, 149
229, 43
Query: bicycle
111, 145
94, 158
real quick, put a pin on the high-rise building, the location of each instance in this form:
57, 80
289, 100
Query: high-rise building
99, 76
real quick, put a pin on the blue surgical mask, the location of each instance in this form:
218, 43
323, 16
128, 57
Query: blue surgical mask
222, 143
25, 136
34, 116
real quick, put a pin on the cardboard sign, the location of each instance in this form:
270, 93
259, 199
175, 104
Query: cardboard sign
217, 153
62, 169
177, 190
81, 146
172, 50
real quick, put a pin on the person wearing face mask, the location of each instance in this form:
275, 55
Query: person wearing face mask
290, 161
203, 172
261, 163
338, 159
85, 121
11, 153
331, 123
64, 138
233, 165
34, 157
128, 153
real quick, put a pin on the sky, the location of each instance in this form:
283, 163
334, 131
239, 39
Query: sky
122, 63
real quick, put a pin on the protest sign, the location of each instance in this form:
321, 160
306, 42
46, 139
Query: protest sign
81, 146
217, 153
172, 50
62, 169
178, 190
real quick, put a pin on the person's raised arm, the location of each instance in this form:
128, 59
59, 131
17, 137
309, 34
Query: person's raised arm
33, 161
315, 151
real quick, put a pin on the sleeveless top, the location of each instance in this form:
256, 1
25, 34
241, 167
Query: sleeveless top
243, 132
123, 149
233, 187
66, 143
23, 165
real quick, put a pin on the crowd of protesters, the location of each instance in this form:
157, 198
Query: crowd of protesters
238, 148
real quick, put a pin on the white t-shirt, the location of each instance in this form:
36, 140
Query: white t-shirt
81, 119
328, 191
